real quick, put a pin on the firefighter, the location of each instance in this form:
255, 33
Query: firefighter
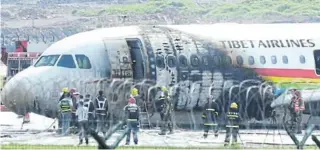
165, 113
75, 97
91, 114
210, 116
135, 94
297, 108
65, 108
233, 122
132, 112
65, 91
101, 106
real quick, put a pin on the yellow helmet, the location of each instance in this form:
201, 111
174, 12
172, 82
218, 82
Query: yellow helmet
164, 89
134, 92
234, 105
65, 90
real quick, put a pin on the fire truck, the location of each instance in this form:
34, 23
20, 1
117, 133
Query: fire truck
18, 61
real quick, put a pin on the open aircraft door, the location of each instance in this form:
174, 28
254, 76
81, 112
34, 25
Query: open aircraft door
119, 58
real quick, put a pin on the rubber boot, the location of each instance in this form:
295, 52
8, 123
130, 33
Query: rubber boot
136, 142
205, 135
162, 132
87, 141
216, 134
80, 142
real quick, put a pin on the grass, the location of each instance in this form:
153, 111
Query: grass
241, 10
70, 147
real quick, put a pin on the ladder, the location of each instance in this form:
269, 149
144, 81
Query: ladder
145, 118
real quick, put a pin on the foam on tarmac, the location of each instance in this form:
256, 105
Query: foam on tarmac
11, 125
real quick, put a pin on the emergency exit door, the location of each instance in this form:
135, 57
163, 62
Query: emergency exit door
137, 65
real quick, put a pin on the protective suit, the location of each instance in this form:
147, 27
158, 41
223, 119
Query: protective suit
233, 122
87, 102
296, 109
210, 117
75, 97
101, 105
165, 113
132, 113
135, 94
64, 91
65, 108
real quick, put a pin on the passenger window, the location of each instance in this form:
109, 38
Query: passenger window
83, 62
195, 62
285, 59
183, 61
239, 60
251, 60
263, 60
160, 61
171, 61
205, 60
302, 59
66, 61
216, 60
227, 60
273, 59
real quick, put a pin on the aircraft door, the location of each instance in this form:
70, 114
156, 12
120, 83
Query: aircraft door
138, 68
316, 55
119, 58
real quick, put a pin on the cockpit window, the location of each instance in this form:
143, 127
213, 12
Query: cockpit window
66, 61
49, 60
83, 62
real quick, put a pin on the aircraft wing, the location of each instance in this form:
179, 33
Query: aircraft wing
307, 96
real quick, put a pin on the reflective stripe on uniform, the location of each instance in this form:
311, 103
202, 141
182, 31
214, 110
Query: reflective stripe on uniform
235, 116
132, 119
209, 109
231, 126
204, 116
101, 102
210, 124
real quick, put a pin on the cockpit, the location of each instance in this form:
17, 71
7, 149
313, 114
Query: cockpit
67, 61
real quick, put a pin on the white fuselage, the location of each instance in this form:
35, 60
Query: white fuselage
104, 47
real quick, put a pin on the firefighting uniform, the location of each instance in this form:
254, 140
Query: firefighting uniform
65, 115
210, 117
132, 112
297, 107
233, 121
165, 113
101, 113
135, 94
65, 91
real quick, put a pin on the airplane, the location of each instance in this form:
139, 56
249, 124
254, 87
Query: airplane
253, 64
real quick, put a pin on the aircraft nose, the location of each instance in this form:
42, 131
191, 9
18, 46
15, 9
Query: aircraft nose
20, 92
17, 95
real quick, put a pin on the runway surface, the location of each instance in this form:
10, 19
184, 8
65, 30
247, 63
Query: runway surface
40, 131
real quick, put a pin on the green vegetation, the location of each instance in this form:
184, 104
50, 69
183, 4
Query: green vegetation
70, 147
241, 10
